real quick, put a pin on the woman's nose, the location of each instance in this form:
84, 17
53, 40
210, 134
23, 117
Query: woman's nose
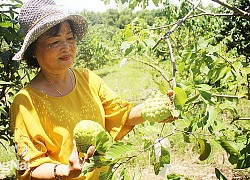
65, 46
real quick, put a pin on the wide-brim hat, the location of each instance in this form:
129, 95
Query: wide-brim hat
38, 16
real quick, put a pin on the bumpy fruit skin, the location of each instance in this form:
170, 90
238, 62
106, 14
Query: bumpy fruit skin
85, 133
157, 107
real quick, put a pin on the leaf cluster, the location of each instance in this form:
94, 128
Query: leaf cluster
236, 29
10, 83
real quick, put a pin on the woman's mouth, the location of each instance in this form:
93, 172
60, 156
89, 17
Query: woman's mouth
65, 58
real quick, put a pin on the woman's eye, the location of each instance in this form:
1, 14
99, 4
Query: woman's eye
71, 39
54, 42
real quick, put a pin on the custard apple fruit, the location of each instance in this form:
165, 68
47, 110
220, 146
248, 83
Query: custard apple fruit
85, 133
157, 107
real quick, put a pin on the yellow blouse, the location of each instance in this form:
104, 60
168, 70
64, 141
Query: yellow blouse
45, 124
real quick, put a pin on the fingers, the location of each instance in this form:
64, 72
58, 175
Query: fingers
74, 145
90, 152
170, 93
74, 154
168, 120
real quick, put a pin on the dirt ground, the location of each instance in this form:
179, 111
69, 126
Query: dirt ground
197, 170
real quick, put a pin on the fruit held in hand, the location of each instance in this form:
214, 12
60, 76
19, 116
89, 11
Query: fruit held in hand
157, 107
85, 133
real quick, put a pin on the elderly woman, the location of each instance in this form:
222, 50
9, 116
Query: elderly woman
44, 113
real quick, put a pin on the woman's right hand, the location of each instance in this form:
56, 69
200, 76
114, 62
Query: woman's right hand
75, 163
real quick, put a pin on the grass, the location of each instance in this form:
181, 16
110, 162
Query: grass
7, 154
132, 82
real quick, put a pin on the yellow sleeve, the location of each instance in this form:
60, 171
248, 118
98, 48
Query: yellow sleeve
116, 111
28, 135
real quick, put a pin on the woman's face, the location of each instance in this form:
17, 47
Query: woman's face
56, 51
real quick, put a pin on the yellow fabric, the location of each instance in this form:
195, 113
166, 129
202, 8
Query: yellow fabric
44, 124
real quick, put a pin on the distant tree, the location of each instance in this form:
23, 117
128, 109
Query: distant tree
236, 29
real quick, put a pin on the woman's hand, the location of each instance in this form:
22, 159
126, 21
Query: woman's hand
168, 120
170, 94
75, 163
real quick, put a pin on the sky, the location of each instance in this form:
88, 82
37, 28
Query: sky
96, 5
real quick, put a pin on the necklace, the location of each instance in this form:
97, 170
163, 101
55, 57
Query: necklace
52, 85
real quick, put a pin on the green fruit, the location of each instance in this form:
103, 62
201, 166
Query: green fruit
85, 133
157, 107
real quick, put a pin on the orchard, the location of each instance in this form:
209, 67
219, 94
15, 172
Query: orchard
201, 54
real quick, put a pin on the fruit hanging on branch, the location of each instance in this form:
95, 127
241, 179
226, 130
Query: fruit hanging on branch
159, 107
90, 133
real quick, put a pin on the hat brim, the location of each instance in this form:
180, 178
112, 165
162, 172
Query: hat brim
79, 27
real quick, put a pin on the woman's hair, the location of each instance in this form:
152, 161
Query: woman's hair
29, 55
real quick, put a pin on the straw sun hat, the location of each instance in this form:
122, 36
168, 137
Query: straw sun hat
38, 16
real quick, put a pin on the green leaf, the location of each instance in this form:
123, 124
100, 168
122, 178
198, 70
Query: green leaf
6, 24
219, 175
107, 174
212, 115
233, 159
244, 160
163, 159
95, 162
165, 156
186, 136
223, 72
150, 42
102, 142
205, 149
228, 147
181, 67
204, 91
106, 2
132, 4
202, 43
125, 174
180, 97
156, 2
118, 149
176, 177
126, 48
193, 98
124, 1
157, 167
2, 111
204, 87
128, 31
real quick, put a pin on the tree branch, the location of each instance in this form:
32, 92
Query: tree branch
176, 25
239, 119
214, 14
234, 9
225, 96
197, 15
173, 63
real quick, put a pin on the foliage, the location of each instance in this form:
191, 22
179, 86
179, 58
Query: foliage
101, 45
235, 30
97, 49
10, 77
212, 76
